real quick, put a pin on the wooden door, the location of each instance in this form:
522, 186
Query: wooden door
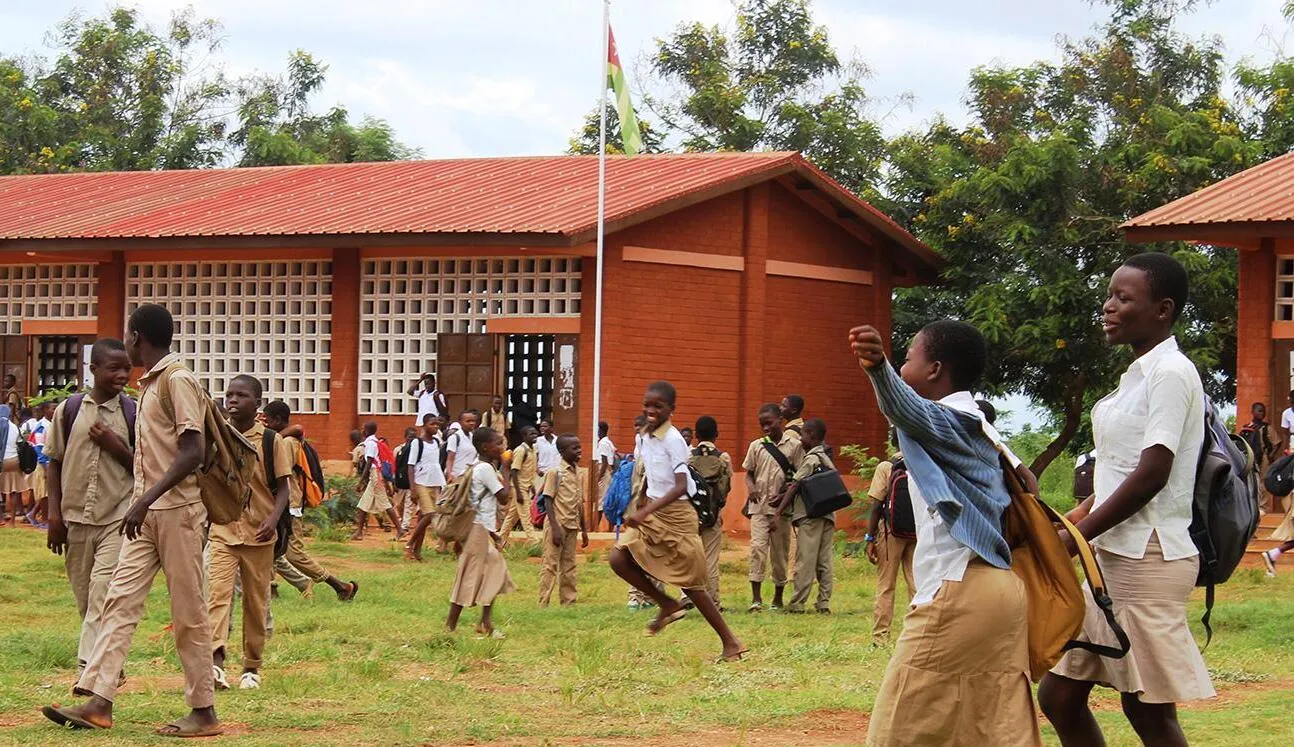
1281, 385
465, 371
566, 387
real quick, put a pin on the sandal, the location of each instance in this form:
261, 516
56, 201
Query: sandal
249, 681
354, 589
732, 658
175, 729
494, 634
660, 623
65, 717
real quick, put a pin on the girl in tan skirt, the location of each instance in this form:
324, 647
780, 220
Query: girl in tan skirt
663, 539
482, 573
1148, 436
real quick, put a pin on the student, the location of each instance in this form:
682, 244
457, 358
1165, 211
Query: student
40, 478
1085, 476
427, 480
815, 536
637, 599
482, 573
564, 499
375, 494
687, 435
960, 671
461, 445
495, 419
766, 476
525, 485
604, 458
405, 503
246, 547
277, 414
663, 541
1258, 434
793, 414
1148, 435
887, 551
707, 432
164, 528
90, 483
1287, 426
546, 448
356, 452
14, 400
14, 483
430, 399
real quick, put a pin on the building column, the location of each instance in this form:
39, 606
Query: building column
754, 283
111, 275
343, 398
1255, 312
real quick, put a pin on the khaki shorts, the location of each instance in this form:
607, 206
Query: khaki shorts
426, 497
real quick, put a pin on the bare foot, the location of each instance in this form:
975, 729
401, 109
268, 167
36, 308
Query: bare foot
734, 651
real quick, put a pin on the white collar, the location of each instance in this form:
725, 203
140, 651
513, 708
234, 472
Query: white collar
1154, 354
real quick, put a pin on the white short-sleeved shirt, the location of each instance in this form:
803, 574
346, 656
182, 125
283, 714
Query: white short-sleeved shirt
1159, 402
424, 457
1287, 424
485, 485
664, 454
428, 404
370, 448
606, 451
10, 446
548, 454
464, 451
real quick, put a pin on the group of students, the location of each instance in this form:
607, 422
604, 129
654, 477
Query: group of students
24, 496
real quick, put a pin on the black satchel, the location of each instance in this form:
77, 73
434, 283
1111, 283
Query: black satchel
823, 492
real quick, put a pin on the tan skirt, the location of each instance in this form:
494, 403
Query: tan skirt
375, 500
960, 671
482, 571
14, 482
668, 546
1150, 594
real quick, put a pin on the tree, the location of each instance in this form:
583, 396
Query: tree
1026, 201
585, 142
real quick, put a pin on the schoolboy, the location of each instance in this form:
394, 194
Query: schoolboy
426, 480
375, 494
495, 419
277, 414
814, 535
563, 495
707, 432
605, 458
164, 528
770, 462
793, 414
525, 484
406, 505
887, 551
546, 448
246, 547
459, 444
90, 482
430, 399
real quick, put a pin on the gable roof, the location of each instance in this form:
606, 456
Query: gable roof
548, 200
1255, 203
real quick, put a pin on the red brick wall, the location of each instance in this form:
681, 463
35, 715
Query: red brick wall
1255, 309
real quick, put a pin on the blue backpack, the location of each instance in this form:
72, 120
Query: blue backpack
619, 493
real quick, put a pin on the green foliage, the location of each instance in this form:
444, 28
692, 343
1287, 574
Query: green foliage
55, 394
585, 142
338, 507
864, 465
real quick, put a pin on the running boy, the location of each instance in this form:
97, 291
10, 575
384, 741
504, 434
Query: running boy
375, 494
90, 481
814, 535
663, 540
564, 498
770, 462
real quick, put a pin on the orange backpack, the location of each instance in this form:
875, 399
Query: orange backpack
312, 493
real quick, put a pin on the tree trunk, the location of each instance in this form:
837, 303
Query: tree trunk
1073, 419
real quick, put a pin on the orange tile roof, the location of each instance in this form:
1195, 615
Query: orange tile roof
554, 196
1262, 195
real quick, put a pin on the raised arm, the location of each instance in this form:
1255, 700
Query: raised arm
911, 413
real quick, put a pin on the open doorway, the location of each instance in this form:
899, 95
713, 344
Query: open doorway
528, 377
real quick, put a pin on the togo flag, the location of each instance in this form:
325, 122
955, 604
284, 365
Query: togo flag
629, 133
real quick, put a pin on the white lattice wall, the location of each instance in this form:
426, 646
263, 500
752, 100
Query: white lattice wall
405, 303
46, 292
269, 319
1284, 289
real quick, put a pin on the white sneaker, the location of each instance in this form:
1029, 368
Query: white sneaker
634, 605
219, 677
249, 681
1271, 564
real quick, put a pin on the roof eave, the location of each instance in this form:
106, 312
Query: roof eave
1242, 234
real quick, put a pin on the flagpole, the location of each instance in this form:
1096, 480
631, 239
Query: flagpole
604, 55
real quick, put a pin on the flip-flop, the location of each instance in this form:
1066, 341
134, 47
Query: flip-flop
174, 729
731, 658
656, 626
62, 717
354, 589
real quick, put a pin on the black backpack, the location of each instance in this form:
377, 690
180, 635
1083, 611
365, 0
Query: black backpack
1279, 479
707, 464
401, 477
703, 499
283, 530
898, 503
27, 457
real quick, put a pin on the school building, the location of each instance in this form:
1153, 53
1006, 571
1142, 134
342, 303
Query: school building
1253, 212
736, 276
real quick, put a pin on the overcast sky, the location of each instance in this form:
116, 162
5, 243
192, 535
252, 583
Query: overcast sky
515, 77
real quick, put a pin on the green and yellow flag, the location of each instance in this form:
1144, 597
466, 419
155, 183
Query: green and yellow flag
629, 133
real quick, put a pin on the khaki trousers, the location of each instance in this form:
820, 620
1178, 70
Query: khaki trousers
291, 574
813, 559
518, 511
255, 565
893, 553
559, 566
170, 541
297, 556
712, 541
90, 559
770, 544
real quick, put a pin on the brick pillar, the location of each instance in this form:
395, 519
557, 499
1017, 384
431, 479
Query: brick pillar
1255, 311
112, 296
754, 282
343, 400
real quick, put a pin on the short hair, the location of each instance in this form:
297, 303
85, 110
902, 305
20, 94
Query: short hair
429, 418
817, 425
796, 402
251, 382
770, 407
986, 407
528, 429
482, 436
410, 432
24, 412
666, 391
546, 421
356, 435
707, 428
370, 427
603, 428
278, 409
959, 347
1258, 404
566, 438
154, 324
1166, 277
104, 347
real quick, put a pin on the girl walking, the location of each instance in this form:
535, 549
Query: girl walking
482, 573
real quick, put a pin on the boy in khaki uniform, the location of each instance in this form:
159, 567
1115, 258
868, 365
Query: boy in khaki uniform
707, 432
563, 495
90, 484
246, 547
164, 529
525, 484
770, 536
887, 551
814, 536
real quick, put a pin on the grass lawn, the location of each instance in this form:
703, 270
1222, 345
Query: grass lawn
382, 671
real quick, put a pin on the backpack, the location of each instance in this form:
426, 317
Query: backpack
898, 504
27, 456
619, 493
386, 460
1056, 606
1224, 512
310, 472
226, 472
539, 507
401, 476
282, 530
73, 406
1258, 439
1279, 479
454, 514
709, 468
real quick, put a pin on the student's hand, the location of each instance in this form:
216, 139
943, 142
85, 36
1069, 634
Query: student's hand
868, 345
294, 431
266, 531
635, 519
104, 437
56, 535
1068, 540
134, 520
557, 535
873, 554
584, 538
